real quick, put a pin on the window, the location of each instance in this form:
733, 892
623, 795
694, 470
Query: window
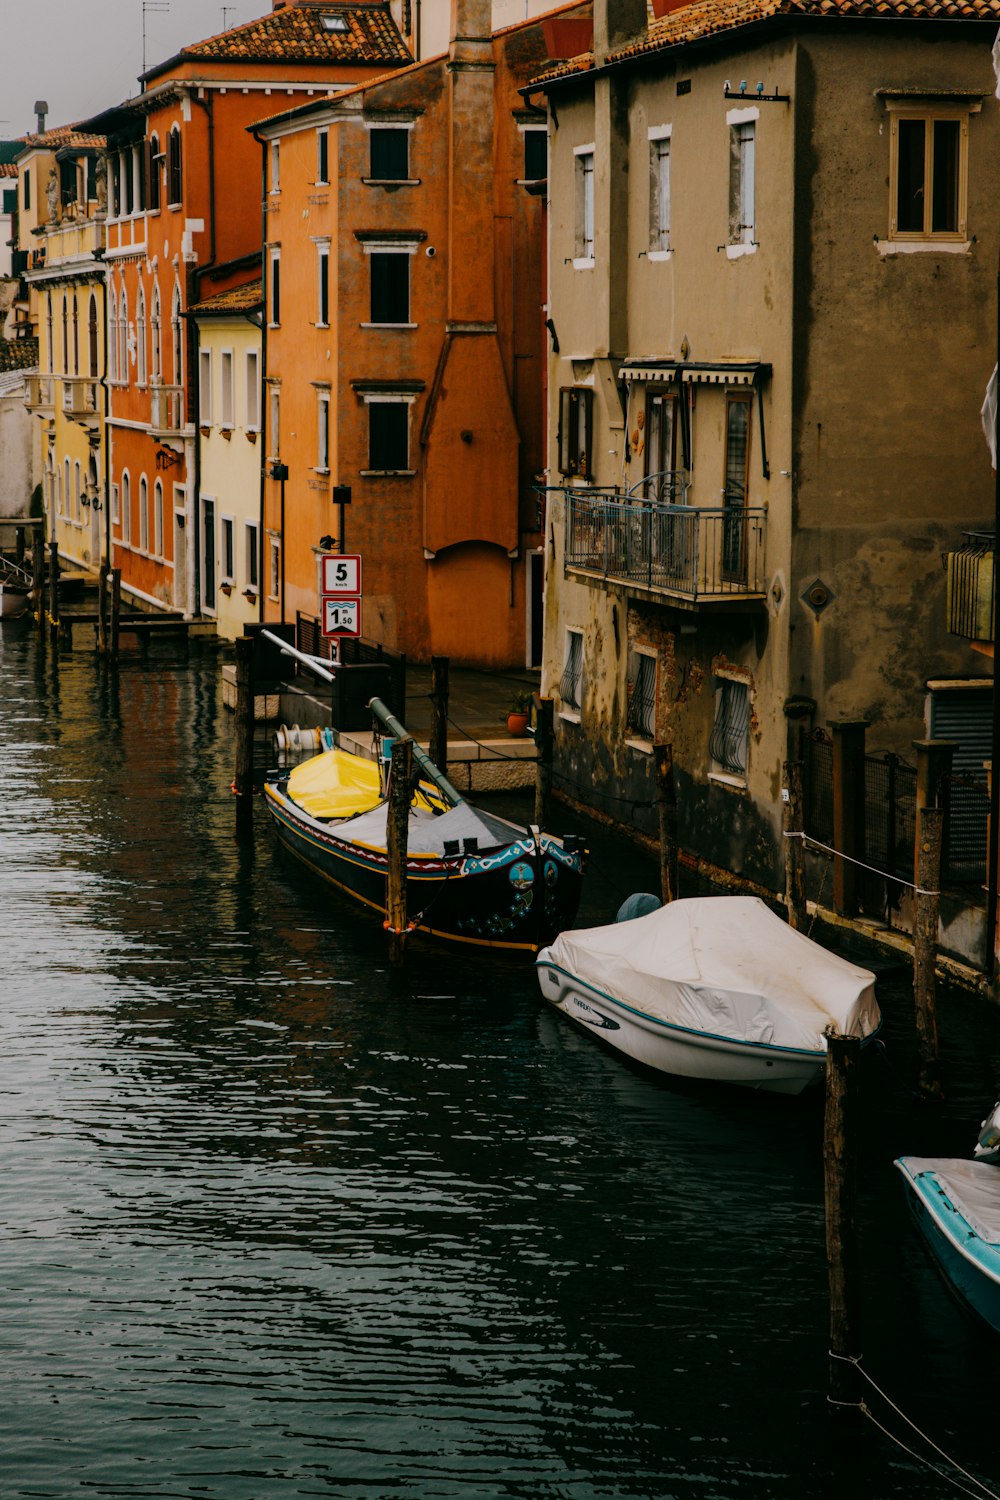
274, 429
536, 153
126, 508
112, 336
76, 334
123, 340
140, 158
323, 432
390, 286
208, 595
274, 158
226, 386
576, 404
388, 436
92, 337
175, 177
334, 23
323, 286
153, 188
275, 568
742, 171
584, 249
323, 156
143, 514
27, 189
49, 331
158, 518
90, 168
116, 186
65, 336
659, 189
156, 355
227, 559
205, 387
77, 490
730, 743
928, 172
389, 159
116, 505
571, 682
176, 337
736, 483
251, 556
128, 182
140, 338
641, 715
253, 391
275, 317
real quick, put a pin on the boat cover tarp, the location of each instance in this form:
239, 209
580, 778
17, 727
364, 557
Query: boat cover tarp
726, 965
972, 1186
337, 784
427, 833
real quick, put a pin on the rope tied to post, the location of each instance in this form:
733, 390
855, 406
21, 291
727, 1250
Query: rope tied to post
839, 854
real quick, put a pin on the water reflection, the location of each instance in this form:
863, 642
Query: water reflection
278, 1223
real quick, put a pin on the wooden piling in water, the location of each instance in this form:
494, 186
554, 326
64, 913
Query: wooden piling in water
103, 593
38, 578
666, 808
54, 586
397, 837
116, 610
545, 741
840, 1172
439, 713
793, 823
927, 901
243, 778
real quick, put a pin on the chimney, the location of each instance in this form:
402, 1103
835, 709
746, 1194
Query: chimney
616, 23
471, 31
41, 110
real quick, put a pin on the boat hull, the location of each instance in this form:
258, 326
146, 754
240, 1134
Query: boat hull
969, 1264
516, 897
13, 601
676, 1049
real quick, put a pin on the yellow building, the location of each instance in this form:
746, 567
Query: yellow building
228, 540
61, 212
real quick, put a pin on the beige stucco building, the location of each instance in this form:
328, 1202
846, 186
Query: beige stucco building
772, 255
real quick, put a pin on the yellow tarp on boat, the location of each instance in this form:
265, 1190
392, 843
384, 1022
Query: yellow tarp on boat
335, 785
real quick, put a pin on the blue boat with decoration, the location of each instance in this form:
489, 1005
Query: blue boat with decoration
471, 876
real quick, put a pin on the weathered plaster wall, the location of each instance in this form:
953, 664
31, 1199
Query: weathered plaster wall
16, 445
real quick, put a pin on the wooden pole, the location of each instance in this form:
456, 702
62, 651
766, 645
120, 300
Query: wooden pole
930, 830
666, 807
54, 585
103, 593
439, 712
793, 823
38, 578
848, 810
116, 610
243, 779
545, 742
397, 835
840, 1161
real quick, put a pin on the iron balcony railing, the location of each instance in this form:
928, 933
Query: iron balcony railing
970, 587
694, 553
166, 409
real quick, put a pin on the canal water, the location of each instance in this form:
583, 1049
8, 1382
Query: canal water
278, 1224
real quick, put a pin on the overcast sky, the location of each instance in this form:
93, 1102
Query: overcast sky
83, 55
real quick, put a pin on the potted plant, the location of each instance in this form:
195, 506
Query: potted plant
517, 714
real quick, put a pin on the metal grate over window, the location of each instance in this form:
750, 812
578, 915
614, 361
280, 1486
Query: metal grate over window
571, 682
731, 735
642, 696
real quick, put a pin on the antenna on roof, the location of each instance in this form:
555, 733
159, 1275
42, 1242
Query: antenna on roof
225, 12
150, 5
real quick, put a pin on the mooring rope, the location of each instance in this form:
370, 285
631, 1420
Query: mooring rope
981, 1492
839, 854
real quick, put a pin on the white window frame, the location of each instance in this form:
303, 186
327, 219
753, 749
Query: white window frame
126, 508
205, 387
274, 422
720, 771
227, 530
253, 390
393, 247
742, 234
158, 518
322, 432
274, 567
637, 740
391, 398
322, 149
274, 163
568, 710
251, 557
659, 192
143, 514
584, 222
929, 111
273, 278
227, 391
116, 505
322, 283
526, 130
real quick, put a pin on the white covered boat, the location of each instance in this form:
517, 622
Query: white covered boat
716, 987
956, 1204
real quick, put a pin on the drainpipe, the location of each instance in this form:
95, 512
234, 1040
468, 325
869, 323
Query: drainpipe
993, 854
264, 401
194, 343
106, 456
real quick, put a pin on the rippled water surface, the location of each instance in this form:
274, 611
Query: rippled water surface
277, 1223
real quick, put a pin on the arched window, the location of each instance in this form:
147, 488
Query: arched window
140, 338
50, 332
143, 515
154, 174
76, 335
113, 337
58, 488
126, 507
175, 178
158, 518
50, 485
92, 336
67, 505
154, 328
123, 340
176, 327
76, 490
65, 326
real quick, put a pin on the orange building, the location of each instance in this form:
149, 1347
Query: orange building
184, 223
405, 346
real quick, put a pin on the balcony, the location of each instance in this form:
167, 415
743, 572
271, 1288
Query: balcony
166, 407
692, 557
81, 399
969, 598
38, 394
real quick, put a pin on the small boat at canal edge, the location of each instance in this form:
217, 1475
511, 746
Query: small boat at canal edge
471, 877
15, 588
956, 1206
714, 987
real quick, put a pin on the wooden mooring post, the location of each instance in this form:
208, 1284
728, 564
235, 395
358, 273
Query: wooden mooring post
848, 810
666, 808
840, 1172
116, 611
38, 578
103, 609
397, 837
545, 742
793, 823
243, 779
439, 712
927, 902
54, 586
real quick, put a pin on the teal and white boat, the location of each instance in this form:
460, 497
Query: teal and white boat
956, 1204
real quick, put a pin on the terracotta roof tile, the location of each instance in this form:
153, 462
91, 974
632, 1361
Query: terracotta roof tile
18, 354
237, 299
8, 169
298, 34
705, 18
62, 136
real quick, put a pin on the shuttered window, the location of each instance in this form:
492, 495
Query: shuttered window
730, 742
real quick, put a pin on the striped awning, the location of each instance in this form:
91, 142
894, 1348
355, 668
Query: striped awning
695, 372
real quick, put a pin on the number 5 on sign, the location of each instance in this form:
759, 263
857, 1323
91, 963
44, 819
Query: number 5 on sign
341, 616
342, 574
